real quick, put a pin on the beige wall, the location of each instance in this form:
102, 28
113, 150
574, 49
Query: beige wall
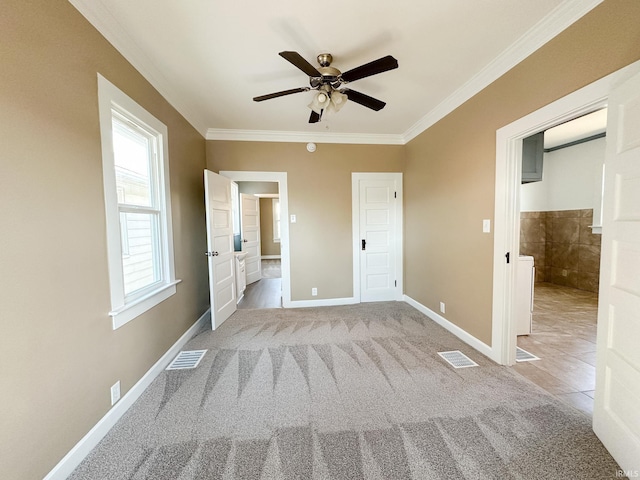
258, 187
54, 293
268, 246
60, 355
450, 168
319, 187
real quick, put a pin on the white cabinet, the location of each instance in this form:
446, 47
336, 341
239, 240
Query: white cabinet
524, 295
241, 274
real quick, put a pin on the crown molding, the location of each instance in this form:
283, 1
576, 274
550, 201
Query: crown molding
303, 137
550, 26
97, 13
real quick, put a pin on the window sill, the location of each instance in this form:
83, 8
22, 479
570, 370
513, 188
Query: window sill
123, 315
276, 240
596, 229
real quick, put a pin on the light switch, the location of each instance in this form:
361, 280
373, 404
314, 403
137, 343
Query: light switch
486, 225
293, 219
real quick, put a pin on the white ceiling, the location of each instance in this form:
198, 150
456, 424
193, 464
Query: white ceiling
209, 58
582, 127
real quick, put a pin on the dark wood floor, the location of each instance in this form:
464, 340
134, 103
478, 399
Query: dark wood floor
265, 293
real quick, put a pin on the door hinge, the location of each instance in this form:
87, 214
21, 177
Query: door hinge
395, 194
395, 283
508, 256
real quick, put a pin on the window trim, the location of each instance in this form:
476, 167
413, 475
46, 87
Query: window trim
123, 309
275, 221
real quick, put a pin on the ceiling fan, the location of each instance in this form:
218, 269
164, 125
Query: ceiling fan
328, 81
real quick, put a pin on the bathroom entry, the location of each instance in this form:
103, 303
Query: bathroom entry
560, 226
259, 239
561, 209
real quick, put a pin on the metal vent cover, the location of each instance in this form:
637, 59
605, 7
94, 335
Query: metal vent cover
186, 359
457, 359
524, 356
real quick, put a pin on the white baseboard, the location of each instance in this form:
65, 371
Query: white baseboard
75, 456
457, 331
270, 257
325, 302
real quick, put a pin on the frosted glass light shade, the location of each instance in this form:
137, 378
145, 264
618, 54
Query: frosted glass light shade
320, 102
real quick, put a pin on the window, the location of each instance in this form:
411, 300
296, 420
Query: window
137, 205
276, 220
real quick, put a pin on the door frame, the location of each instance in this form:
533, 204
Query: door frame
281, 179
507, 198
355, 224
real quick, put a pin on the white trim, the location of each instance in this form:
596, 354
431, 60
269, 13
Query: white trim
551, 25
355, 227
98, 14
281, 179
270, 257
507, 199
75, 456
304, 137
131, 310
559, 19
110, 99
325, 302
457, 331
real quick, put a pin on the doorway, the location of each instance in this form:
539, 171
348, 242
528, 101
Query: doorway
560, 226
377, 236
284, 283
259, 209
509, 141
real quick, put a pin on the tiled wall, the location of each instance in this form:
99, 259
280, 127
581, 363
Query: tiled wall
564, 249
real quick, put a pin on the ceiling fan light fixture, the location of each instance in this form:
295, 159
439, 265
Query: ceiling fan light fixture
320, 102
337, 101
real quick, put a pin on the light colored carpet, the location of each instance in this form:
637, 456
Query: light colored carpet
352, 392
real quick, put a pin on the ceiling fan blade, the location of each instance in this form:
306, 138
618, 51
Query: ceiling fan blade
314, 118
372, 68
364, 100
296, 59
280, 94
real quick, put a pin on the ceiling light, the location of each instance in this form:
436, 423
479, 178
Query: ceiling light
337, 101
320, 102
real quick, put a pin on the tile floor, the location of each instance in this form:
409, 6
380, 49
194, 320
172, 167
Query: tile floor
564, 337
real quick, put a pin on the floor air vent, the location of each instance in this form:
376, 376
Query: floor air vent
186, 359
457, 359
524, 356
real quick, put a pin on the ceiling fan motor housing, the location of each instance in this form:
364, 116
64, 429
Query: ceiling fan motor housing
325, 59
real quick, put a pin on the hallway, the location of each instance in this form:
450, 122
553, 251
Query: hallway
266, 292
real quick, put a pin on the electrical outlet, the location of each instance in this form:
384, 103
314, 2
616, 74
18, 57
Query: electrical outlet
486, 226
115, 392
442, 307
564, 273
294, 219
314, 292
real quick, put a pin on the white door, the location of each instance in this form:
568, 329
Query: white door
616, 414
218, 214
379, 238
250, 227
